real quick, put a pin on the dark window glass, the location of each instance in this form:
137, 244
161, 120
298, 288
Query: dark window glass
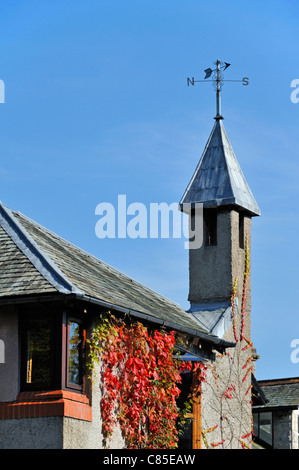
262, 427
74, 342
265, 427
39, 352
52, 351
256, 423
210, 225
185, 434
241, 230
75, 353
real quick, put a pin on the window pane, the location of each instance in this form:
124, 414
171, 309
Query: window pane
185, 440
256, 424
266, 427
185, 433
74, 351
38, 352
210, 224
241, 230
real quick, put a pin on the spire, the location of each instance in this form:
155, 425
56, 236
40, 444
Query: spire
218, 179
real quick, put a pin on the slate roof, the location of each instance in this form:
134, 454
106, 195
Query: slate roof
281, 392
218, 179
34, 260
17, 274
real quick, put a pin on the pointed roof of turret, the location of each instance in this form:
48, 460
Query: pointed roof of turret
218, 179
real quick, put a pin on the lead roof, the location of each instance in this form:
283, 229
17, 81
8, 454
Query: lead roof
218, 179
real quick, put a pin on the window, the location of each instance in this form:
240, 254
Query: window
241, 230
262, 427
52, 351
75, 348
39, 352
38, 369
191, 436
185, 439
210, 227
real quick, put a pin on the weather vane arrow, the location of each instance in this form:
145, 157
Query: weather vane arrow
217, 80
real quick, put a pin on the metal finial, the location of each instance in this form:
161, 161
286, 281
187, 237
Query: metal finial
217, 80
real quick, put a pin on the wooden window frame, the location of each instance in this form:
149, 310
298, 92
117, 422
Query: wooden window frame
54, 345
65, 350
196, 418
59, 321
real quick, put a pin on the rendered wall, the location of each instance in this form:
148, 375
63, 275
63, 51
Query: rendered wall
226, 407
41, 425
88, 435
212, 269
9, 369
226, 394
31, 433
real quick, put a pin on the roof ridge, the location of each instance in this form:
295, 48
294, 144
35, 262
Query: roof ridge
199, 163
228, 144
287, 380
42, 262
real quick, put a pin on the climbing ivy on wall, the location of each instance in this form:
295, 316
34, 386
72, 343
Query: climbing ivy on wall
140, 382
234, 388
141, 376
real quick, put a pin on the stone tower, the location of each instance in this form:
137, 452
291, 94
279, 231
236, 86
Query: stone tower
219, 185
216, 285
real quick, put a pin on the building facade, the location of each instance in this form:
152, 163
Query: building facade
51, 296
276, 414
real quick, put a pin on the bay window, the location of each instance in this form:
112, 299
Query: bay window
52, 351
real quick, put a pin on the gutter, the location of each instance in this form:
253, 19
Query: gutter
213, 340
182, 329
275, 408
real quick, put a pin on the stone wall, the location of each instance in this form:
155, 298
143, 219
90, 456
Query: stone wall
285, 429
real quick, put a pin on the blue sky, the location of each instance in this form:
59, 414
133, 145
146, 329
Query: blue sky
96, 105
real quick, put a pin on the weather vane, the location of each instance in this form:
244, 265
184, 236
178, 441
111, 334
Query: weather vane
217, 80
